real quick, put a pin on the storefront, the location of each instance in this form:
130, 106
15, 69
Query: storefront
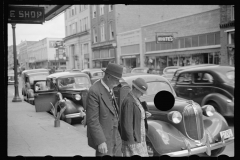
101, 57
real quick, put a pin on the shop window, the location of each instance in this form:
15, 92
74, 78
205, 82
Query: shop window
153, 46
104, 53
175, 43
217, 58
217, 38
194, 41
231, 36
188, 42
148, 46
163, 46
112, 53
96, 54
182, 43
158, 47
210, 39
202, 40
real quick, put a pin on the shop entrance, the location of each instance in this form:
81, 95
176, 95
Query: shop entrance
130, 62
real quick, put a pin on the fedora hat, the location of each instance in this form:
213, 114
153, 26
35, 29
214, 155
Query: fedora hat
114, 70
140, 84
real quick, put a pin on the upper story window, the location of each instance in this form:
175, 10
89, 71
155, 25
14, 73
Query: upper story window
111, 30
94, 12
101, 9
232, 13
231, 36
80, 26
94, 35
73, 28
102, 32
110, 8
72, 11
80, 8
85, 6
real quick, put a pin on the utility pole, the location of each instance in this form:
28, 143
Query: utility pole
16, 97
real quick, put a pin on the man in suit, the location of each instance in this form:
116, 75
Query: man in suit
102, 114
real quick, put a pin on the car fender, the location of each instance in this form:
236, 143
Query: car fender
219, 99
214, 125
164, 137
71, 107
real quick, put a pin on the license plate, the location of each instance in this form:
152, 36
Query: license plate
227, 134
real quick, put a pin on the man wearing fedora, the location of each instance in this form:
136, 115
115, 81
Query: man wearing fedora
132, 121
102, 114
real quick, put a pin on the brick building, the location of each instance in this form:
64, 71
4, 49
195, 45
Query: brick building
196, 40
227, 30
116, 32
77, 37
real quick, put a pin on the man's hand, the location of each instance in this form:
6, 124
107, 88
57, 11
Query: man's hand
148, 114
102, 148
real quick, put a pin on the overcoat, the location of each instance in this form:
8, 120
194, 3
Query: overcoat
100, 116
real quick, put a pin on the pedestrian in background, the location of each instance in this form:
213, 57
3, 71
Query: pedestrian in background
102, 114
132, 121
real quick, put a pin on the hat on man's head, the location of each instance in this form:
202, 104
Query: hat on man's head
114, 70
140, 84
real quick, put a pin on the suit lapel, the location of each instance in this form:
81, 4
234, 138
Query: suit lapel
106, 98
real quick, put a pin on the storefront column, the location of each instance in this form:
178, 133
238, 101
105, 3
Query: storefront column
213, 57
208, 57
178, 61
167, 61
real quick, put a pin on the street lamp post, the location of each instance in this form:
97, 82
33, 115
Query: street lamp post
16, 97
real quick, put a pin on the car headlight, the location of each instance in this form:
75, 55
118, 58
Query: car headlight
208, 110
175, 117
78, 97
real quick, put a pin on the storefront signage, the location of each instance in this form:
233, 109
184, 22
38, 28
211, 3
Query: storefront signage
26, 14
164, 39
55, 44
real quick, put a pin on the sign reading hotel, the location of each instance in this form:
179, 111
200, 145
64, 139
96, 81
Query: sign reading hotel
164, 39
26, 14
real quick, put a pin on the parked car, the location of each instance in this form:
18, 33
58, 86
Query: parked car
183, 130
70, 88
27, 81
213, 85
11, 77
72, 70
173, 81
140, 70
59, 70
94, 74
168, 72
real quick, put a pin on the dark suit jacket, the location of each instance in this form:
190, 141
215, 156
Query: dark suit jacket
130, 120
99, 116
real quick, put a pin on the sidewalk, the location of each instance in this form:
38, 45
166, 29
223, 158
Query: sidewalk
32, 133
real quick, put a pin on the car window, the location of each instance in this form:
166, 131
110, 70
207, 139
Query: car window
231, 75
155, 87
37, 77
97, 74
184, 78
139, 71
74, 83
207, 78
44, 86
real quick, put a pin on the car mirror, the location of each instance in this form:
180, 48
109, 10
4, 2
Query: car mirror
164, 100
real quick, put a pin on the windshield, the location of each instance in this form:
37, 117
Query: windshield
74, 83
155, 87
139, 71
37, 77
231, 75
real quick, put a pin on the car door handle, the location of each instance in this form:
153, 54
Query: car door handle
189, 89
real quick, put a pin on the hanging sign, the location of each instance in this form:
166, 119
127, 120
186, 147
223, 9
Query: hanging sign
26, 14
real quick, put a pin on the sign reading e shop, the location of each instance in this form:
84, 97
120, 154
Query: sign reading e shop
26, 14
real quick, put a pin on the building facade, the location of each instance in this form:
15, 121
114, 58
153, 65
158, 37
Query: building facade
196, 40
42, 54
129, 19
78, 37
23, 53
227, 32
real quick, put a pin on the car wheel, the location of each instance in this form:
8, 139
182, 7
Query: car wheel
215, 106
151, 151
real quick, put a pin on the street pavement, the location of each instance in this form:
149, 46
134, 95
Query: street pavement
32, 133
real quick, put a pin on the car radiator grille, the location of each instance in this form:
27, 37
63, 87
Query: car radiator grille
193, 122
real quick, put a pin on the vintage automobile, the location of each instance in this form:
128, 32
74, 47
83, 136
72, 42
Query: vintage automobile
168, 72
72, 87
11, 77
213, 85
28, 76
94, 74
174, 78
185, 128
140, 70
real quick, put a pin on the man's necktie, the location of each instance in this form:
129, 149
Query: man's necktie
113, 102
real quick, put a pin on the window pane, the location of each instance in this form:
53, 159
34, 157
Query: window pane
158, 46
175, 43
232, 35
195, 41
153, 46
148, 46
188, 42
184, 78
202, 40
181, 42
217, 38
210, 39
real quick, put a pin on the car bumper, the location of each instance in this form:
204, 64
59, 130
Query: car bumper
75, 115
206, 148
